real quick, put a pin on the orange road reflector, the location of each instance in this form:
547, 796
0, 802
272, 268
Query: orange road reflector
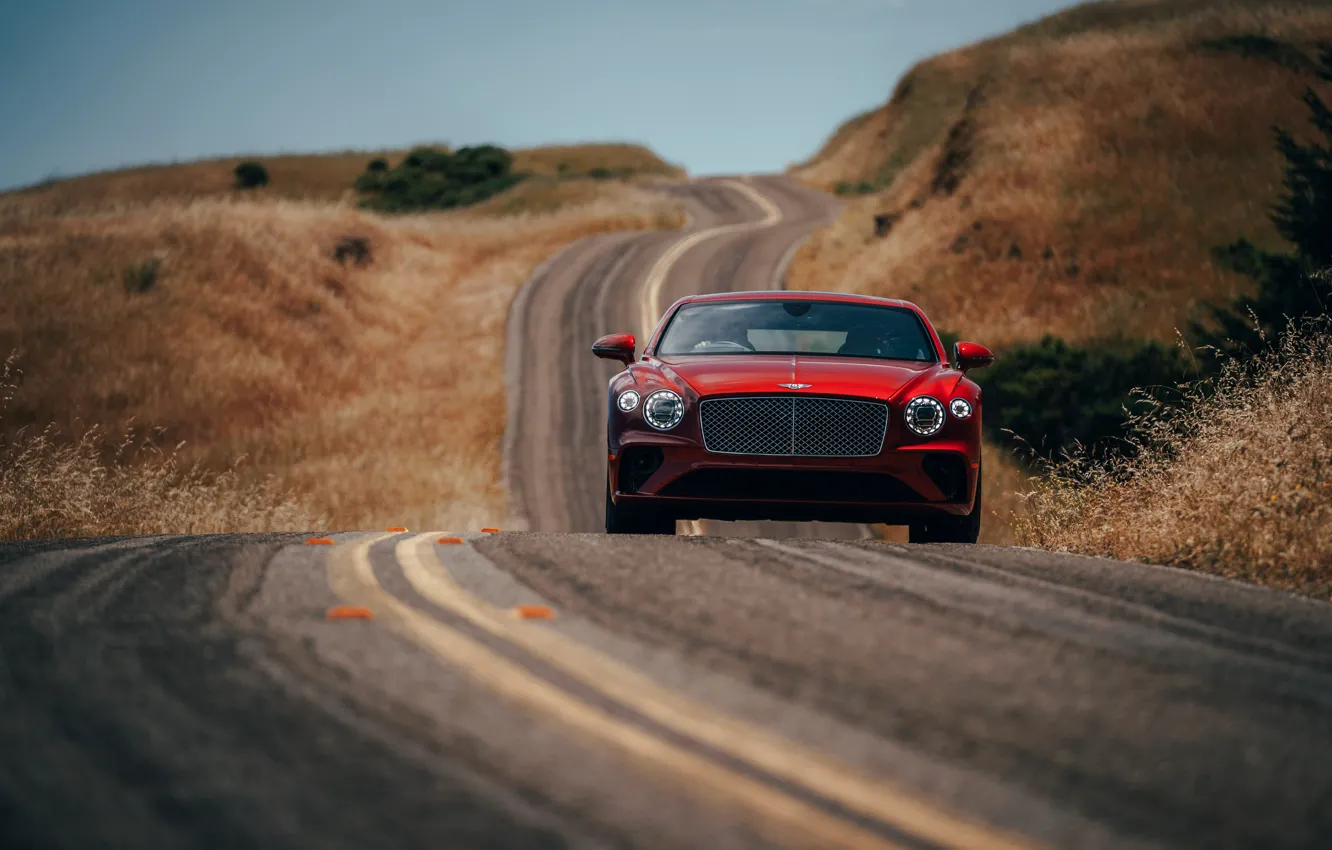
319, 541
396, 529
490, 531
447, 540
533, 612
349, 612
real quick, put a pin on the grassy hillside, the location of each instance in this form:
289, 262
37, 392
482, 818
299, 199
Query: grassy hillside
312, 177
352, 360
1073, 176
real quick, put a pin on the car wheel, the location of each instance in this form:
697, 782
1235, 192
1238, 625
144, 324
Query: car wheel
622, 520
950, 529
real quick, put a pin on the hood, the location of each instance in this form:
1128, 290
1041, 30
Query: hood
846, 376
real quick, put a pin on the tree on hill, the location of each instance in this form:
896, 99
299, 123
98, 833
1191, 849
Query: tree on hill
434, 178
1289, 285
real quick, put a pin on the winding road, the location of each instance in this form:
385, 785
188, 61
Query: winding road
545, 688
741, 234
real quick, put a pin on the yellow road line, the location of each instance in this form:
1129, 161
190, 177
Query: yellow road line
777, 816
777, 756
651, 304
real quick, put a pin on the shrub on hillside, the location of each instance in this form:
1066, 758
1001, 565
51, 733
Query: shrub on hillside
1236, 481
251, 175
435, 178
1289, 285
1052, 396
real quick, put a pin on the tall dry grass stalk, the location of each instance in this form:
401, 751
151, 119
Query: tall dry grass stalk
1235, 481
55, 485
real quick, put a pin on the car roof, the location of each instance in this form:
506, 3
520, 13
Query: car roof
790, 295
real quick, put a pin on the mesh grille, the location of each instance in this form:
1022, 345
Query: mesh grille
794, 425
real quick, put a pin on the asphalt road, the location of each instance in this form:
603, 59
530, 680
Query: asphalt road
689, 692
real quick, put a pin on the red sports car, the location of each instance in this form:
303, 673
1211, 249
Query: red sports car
796, 406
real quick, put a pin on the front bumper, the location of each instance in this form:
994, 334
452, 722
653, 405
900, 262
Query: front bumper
681, 478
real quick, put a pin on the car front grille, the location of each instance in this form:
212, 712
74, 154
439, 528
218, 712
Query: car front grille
794, 425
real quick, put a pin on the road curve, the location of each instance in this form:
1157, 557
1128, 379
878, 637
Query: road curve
689, 692
741, 234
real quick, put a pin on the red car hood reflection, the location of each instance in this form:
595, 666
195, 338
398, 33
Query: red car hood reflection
848, 376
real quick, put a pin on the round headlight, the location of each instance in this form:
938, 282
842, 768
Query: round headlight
627, 401
663, 410
924, 416
960, 408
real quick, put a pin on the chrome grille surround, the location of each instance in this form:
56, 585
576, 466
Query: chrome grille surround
793, 426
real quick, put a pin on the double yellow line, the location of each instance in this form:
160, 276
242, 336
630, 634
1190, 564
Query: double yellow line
774, 811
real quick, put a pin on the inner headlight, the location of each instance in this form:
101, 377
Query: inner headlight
663, 410
924, 416
627, 401
960, 408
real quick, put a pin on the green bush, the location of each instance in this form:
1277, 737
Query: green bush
434, 178
1290, 285
377, 164
251, 175
1052, 396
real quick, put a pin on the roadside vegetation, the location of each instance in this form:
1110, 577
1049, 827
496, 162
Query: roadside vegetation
1234, 478
282, 362
54, 484
1232, 474
1076, 194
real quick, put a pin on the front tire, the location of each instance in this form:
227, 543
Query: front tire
624, 520
950, 529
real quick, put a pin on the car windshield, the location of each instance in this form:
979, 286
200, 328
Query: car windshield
827, 328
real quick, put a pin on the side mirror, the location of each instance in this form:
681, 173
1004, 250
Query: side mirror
971, 355
615, 347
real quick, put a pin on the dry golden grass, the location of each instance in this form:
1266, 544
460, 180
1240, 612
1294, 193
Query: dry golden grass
373, 392
1240, 485
1097, 157
580, 159
1070, 177
55, 486
314, 177
310, 177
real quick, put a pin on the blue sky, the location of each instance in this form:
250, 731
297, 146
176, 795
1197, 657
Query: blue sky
719, 87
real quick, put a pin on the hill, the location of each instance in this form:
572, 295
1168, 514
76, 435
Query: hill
1072, 176
309, 177
353, 362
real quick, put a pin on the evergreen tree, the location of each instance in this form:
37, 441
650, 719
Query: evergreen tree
1289, 285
